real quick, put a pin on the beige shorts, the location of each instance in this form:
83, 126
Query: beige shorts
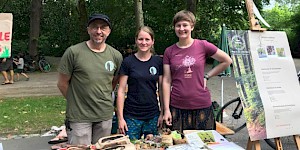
88, 133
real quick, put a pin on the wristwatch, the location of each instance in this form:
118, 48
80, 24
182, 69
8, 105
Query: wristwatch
206, 77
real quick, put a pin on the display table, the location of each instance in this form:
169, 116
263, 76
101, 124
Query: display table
223, 130
193, 139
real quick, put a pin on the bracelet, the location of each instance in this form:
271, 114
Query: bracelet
206, 77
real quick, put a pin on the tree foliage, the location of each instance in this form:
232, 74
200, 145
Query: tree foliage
21, 22
288, 2
282, 17
295, 30
63, 22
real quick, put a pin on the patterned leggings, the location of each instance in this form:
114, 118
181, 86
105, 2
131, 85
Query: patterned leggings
136, 128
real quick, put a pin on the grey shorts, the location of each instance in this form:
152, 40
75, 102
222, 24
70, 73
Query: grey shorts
6, 66
88, 133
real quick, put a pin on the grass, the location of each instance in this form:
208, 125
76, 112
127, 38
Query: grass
31, 115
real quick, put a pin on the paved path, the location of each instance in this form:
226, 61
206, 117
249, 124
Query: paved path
41, 84
33, 143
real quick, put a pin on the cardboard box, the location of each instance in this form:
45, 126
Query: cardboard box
6, 22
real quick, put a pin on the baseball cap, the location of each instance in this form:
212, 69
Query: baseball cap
99, 16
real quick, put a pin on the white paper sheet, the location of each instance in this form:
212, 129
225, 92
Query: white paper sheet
277, 82
225, 146
195, 142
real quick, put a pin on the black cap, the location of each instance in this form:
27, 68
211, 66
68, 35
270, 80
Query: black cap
99, 16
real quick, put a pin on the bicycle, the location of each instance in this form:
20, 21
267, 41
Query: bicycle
231, 116
233, 109
30, 65
44, 65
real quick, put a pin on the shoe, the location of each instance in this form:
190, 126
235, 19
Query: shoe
58, 139
27, 79
4, 83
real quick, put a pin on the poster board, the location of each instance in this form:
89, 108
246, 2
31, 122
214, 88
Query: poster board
267, 83
6, 22
196, 140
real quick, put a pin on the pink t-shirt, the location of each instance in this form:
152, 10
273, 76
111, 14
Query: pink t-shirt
187, 72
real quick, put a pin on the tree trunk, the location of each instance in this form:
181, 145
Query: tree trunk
192, 6
35, 19
139, 18
82, 20
69, 27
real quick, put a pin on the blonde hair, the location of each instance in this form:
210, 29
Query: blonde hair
150, 32
184, 15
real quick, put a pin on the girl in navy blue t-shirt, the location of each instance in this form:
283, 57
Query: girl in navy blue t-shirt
139, 114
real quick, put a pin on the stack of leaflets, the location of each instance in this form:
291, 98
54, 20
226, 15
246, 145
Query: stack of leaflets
210, 140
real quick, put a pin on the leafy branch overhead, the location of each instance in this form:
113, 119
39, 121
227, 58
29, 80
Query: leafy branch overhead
63, 22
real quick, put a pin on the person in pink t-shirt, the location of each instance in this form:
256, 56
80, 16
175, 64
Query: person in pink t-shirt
187, 100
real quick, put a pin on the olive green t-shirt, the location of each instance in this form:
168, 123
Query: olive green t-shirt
89, 96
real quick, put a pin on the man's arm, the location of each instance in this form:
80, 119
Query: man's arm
63, 83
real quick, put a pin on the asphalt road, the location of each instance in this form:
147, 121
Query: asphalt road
45, 84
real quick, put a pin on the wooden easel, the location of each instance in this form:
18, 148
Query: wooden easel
254, 24
278, 143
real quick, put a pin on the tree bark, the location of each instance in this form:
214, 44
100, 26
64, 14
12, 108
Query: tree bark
192, 6
35, 19
139, 18
82, 19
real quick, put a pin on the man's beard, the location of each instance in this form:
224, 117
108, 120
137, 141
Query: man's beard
100, 41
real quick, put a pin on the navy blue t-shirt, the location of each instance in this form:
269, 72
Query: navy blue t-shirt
141, 102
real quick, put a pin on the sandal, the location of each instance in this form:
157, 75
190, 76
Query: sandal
4, 83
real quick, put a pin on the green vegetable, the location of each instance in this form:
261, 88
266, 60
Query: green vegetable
176, 135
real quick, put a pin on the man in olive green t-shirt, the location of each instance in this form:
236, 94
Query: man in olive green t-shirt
88, 73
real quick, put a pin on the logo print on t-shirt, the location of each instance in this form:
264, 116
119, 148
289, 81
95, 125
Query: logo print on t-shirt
109, 66
153, 70
188, 62
238, 43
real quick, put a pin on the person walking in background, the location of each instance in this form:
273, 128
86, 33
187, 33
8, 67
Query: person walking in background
19, 62
6, 65
139, 114
184, 64
88, 73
